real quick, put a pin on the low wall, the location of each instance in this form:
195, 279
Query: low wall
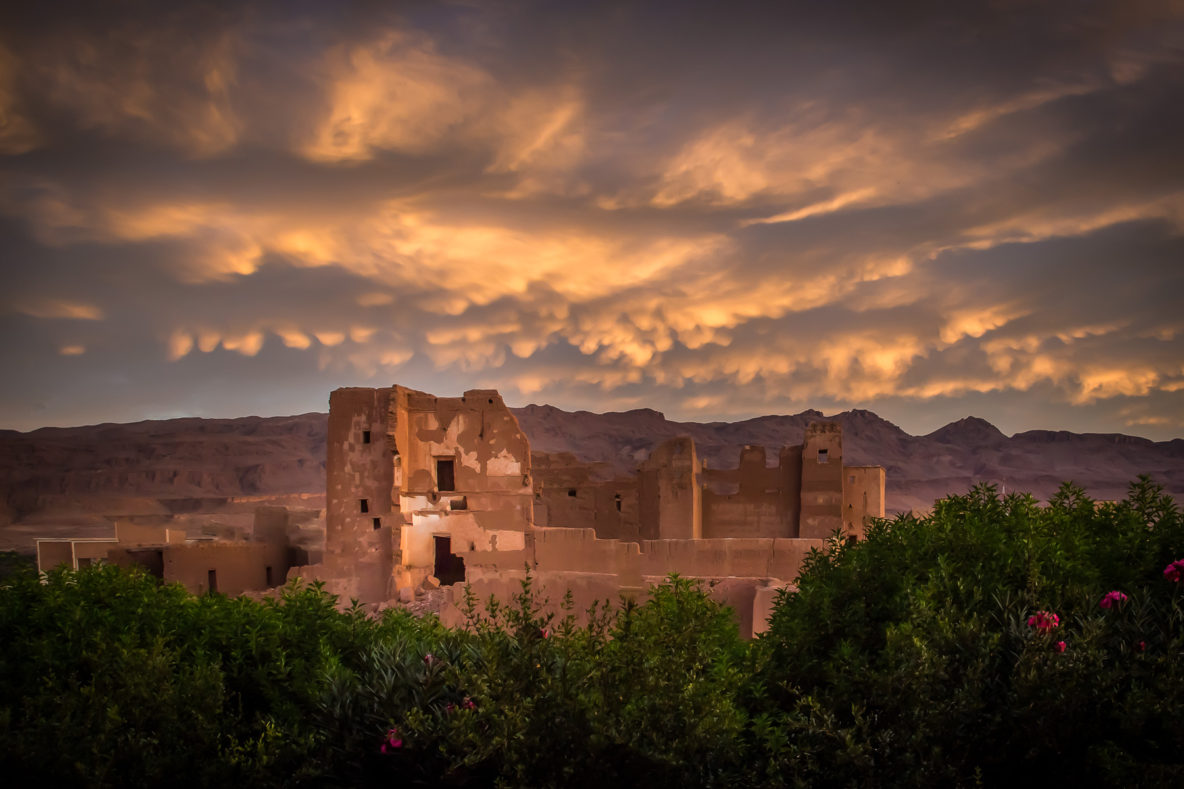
737, 572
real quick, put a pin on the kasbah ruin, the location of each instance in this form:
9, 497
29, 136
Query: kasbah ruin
427, 494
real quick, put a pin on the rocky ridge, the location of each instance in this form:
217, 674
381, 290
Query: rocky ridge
82, 476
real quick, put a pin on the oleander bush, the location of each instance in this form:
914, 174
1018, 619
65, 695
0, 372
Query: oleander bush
994, 641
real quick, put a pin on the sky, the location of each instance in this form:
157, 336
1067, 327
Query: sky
719, 210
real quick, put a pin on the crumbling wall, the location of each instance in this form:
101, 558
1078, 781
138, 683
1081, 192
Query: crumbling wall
359, 539
486, 506
571, 494
670, 492
863, 498
413, 479
822, 481
752, 500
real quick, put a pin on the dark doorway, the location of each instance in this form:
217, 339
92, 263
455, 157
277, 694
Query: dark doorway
152, 561
212, 581
445, 475
450, 568
270, 581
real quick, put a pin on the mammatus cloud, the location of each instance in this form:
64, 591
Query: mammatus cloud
925, 214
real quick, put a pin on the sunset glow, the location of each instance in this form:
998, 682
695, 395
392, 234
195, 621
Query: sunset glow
728, 212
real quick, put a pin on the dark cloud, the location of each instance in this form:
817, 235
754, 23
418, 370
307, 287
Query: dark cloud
718, 210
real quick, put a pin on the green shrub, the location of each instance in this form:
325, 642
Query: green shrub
916, 657
910, 658
520, 699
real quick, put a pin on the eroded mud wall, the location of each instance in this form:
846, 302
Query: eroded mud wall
863, 498
670, 492
822, 481
360, 539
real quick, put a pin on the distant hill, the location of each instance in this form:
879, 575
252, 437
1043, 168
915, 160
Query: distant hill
920, 469
77, 477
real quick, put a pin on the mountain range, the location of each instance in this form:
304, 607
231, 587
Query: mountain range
215, 471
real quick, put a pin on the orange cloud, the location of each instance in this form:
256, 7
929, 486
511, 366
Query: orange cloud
59, 308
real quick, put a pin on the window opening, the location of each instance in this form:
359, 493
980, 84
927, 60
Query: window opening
823, 456
617, 500
445, 475
571, 492
449, 568
270, 582
364, 504
365, 436
212, 581
377, 524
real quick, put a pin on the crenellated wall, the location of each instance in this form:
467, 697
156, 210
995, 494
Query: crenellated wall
809, 493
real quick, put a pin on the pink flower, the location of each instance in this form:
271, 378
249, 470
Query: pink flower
1142, 645
450, 708
469, 704
545, 633
393, 741
429, 660
1112, 599
1174, 571
1061, 646
1044, 621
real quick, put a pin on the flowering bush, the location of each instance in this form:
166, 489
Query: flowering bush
908, 658
1112, 599
1044, 621
392, 741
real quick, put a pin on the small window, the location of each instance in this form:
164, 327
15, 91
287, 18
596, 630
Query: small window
445, 475
365, 436
617, 500
458, 503
823, 456
212, 581
270, 581
571, 492
377, 524
364, 505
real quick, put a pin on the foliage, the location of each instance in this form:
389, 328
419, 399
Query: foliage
518, 699
992, 641
982, 643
